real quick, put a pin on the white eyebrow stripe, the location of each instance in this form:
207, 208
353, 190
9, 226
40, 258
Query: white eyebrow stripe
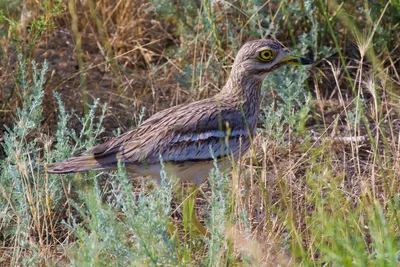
205, 135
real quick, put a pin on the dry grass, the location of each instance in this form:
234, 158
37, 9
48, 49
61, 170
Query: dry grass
327, 194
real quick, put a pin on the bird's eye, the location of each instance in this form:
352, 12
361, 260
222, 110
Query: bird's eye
266, 55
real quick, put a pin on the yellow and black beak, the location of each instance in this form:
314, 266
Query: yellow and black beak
294, 60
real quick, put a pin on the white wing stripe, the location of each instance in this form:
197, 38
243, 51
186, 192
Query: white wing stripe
203, 136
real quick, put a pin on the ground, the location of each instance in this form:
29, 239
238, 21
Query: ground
320, 186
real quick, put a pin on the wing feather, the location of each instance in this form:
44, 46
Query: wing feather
180, 133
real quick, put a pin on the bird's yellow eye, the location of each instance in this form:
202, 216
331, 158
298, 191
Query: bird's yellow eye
266, 55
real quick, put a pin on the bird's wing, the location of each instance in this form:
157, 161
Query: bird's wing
182, 133
202, 130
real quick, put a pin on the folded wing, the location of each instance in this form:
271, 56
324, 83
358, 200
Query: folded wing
195, 132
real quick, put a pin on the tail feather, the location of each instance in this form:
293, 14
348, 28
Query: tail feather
81, 164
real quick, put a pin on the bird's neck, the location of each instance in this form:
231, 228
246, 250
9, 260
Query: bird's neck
243, 91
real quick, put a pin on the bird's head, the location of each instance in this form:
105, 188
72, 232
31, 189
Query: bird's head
258, 58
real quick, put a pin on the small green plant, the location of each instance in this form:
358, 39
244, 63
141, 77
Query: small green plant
293, 111
125, 230
219, 206
22, 202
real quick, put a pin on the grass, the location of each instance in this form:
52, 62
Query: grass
320, 186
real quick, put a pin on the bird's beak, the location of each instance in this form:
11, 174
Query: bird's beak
294, 60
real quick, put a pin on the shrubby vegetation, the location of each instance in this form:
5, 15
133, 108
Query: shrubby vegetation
320, 186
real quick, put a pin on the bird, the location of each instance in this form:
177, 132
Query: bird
187, 139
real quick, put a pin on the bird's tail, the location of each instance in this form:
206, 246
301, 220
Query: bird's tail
79, 164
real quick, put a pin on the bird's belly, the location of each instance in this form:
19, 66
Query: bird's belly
186, 171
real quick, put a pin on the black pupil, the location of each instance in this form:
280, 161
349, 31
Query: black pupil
267, 54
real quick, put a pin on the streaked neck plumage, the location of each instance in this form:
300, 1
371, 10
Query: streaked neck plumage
243, 91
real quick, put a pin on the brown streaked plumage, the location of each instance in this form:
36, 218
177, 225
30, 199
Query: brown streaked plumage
184, 136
